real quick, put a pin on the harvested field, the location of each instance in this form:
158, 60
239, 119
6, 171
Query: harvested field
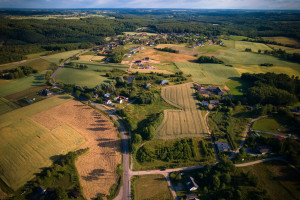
216, 74
85, 58
6, 106
98, 58
26, 146
96, 168
186, 123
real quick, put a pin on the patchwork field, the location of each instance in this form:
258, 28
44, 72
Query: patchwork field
96, 168
55, 58
6, 106
152, 187
280, 180
186, 123
216, 74
22, 84
27, 146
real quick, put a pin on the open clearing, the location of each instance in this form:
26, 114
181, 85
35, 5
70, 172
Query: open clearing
280, 180
186, 123
55, 58
22, 84
283, 40
242, 45
27, 146
216, 74
270, 124
152, 187
6, 106
96, 168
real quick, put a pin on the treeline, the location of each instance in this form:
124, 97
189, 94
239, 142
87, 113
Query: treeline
207, 59
18, 72
166, 49
181, 150
279, 53
271, 88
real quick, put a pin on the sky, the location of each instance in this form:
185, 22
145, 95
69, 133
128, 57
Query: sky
195, 4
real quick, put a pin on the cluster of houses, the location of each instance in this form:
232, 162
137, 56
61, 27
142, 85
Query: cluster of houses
134, 51
108, 101
210, 90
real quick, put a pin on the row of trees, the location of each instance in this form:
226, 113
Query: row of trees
166, 49
208, 59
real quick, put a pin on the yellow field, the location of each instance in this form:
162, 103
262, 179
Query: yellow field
188, 122
283, 40
98, 58
26, 146
85, 58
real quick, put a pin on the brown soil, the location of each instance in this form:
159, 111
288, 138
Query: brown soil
97, 167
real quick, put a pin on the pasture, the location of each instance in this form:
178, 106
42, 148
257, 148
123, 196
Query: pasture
97, 167
55, 58
151, 187
216, 74
279, 179
27, 146
6, 106
189, 122
242, 45
81, 77
21, 84
283, 40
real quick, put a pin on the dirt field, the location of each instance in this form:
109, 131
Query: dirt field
96, 168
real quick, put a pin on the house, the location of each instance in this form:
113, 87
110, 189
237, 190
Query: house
138, 62
214, 102
147, 85
107, 95
46, 92
120, 100
108, 102
191, 196
190, 184
263, 149
222, 146
164, 82
147, 59
219, 91
204, 103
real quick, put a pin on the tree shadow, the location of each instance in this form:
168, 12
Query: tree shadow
95, 174
98, 129
113, 144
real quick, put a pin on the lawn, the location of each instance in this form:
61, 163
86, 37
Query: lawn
271, 124
280, 180
151, 187
215, 74
27, 146
237, 86
81, 77
6, 106
55, 58
21, 84
188, 122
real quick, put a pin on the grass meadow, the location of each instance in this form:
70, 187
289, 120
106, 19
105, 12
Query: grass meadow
151, 187
188, 122
26, 146
55, 58
279, 179
242, 45
216, 74
271, 124
22, 84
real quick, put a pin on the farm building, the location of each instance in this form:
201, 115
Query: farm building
164, 82
210, 90
46, 92
190, 184
214, 102
204, 103
222, 146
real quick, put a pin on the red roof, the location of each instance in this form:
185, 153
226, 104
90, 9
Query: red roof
280, 138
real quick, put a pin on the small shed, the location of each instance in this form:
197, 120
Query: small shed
164, 82
214, 102
107, 95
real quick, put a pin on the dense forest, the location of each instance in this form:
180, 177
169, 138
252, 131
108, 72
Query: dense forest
21, 36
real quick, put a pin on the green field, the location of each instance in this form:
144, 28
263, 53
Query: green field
55, 58
26, 146
6, 106
39, 64
19, 85
81, 77
237, 86
151, 187
210, 49
188, 122
242, 45
35, 55
216, 74
280, 180
271, 124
